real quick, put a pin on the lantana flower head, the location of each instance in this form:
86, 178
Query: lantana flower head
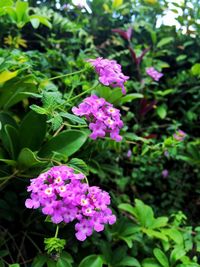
110, 72
64, 196
154, 74
179, 135
102, 116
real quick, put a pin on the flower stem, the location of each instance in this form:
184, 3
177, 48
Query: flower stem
75, 126
65, 75
57, 229
85, 92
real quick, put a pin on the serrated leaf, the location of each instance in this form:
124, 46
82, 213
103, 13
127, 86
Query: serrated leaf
39, 109
73, 118
79, 164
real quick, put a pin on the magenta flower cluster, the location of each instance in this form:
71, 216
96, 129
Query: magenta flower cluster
62, 194
103, 117
154, 74
110, 72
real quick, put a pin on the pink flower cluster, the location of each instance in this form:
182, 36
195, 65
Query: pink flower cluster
154, 74
110, 72
179, 135
103, 117
62, 195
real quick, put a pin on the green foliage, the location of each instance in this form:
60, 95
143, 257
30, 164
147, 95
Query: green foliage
44, 73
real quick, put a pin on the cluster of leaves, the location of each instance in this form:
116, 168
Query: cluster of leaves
43, 74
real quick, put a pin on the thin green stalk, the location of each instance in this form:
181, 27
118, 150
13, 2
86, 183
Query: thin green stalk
75, 126
67, 74
85, 92
56, 233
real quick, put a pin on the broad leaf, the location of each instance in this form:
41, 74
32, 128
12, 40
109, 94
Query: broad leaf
91, 261
66, 143
32, 130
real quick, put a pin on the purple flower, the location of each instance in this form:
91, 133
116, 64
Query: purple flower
154, 74
129, 153
110, 72
179, 135
165, 173
166, 153
62, 194
103, 117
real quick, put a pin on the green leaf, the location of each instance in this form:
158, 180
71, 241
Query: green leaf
165, 41
11, 92
51, 263
128, 240
66, 256
159, 222
43, 20
12, 142
176, 254
162, 111
7, 75
150, 262
28, 159
128, 208
35, 23
196, 69
175, 235
161, 257
22, 12
144, 213
39, 261
72, 118
4, 3
117, 3
4, 253
66, 143
129, 261
9, 162
32, 130
63, 263
130, 97
6, 118
39, 109
91, 261
14, 265
155, 234
79, 164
